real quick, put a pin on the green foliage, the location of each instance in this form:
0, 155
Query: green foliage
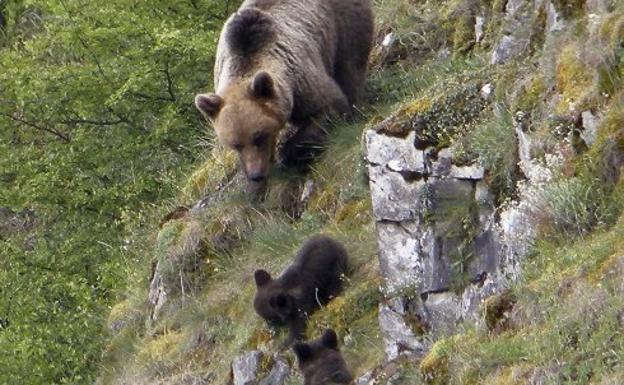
578, 205
96, 122
493, 144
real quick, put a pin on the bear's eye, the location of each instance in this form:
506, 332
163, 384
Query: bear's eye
259, 139
237, 146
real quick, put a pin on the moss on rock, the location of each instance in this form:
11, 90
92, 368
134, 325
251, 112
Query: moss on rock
574, 79
496, 310
435, 366
437, 120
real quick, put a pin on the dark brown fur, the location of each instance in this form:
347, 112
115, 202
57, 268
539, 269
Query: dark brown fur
312, 280
321, 362
285, 62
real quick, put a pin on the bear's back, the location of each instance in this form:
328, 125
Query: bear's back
317, 269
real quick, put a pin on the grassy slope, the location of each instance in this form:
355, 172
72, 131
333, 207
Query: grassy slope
565, 327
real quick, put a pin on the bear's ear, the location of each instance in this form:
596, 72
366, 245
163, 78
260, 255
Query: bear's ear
262, 277
262, 85
330, 339
303, 351
209, 104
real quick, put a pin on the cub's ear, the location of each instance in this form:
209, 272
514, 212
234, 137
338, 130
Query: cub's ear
209, 105
303, 351
262, 85
262, 277
330, 339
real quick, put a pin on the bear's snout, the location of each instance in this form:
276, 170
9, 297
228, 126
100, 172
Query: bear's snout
257, 177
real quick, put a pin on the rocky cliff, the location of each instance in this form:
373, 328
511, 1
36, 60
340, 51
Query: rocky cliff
479, 193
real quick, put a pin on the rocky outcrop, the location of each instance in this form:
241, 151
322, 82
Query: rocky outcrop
439, 252
445, 245
247, 369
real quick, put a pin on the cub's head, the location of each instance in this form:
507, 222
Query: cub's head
272, 302
320, 361
247, 119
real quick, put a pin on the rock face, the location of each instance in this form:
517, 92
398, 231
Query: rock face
442, 251
246, 370
444, 245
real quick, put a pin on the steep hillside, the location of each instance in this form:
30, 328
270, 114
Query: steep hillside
478, 192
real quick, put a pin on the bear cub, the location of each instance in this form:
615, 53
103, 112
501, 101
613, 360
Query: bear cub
312, 280
320, 361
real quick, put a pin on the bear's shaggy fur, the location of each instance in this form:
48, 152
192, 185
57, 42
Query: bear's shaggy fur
312, 280
320, 361
286, 63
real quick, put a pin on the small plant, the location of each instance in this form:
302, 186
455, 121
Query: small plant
494, 145
578, 205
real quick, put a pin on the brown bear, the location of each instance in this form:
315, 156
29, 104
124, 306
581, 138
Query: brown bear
312, 280
286, 63
321, 363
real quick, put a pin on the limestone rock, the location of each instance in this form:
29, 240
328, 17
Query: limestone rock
398, 337
397, 153
479, 31
157, 295
507, 47
399, 255
245, 368
394, 199
590, 127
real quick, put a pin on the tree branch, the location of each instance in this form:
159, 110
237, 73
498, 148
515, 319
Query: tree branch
93, 122
150, 97
37, 127
169, 82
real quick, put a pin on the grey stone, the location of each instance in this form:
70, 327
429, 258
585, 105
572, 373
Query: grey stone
398, 154
590, 127
157, 295
398, 337
479, 23
308, 190
394, 198
487, 90
554, 21
400, 253
508, 47
442, 312
245, 368
513, 7
487, 249
470, 306
474, 172
278, 374
364, 379
388, 40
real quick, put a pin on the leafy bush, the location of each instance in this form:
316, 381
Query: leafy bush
96, 123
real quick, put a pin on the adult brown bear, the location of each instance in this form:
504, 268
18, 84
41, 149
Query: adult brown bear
286, 62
